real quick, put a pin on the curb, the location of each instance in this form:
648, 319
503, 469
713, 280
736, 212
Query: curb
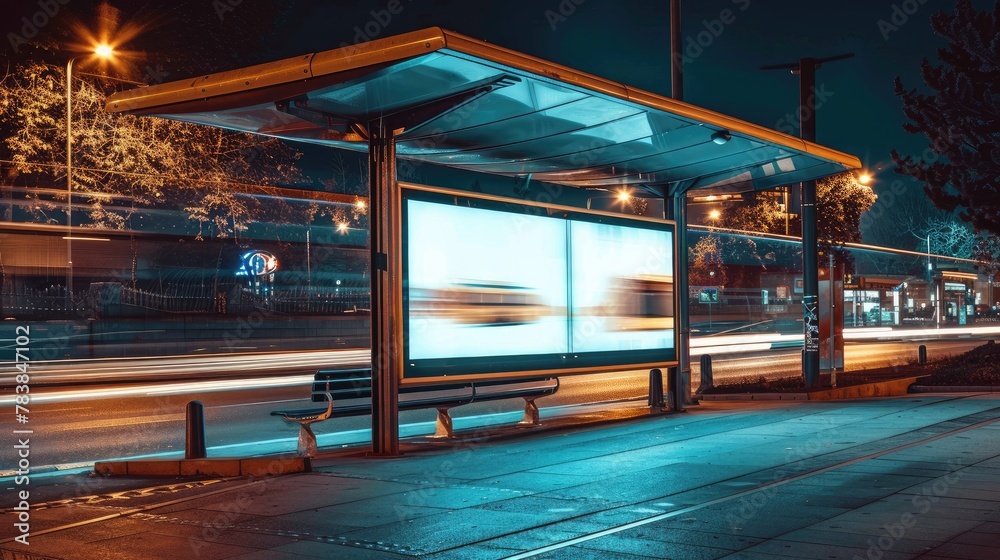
955, 389
754, 397
892, 388
221, 467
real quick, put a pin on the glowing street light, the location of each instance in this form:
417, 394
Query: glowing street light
621, 195
865, 178
104, 50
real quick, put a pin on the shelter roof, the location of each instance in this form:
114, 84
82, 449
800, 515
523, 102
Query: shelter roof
465, 103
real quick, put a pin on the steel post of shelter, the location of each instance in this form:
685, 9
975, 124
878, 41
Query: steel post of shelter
676, 206
386, 309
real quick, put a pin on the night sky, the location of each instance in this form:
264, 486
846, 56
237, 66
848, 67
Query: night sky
622, 40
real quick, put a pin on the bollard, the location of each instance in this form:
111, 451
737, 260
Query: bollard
707, 381
922, 354
656, 403
676, 401
194, 437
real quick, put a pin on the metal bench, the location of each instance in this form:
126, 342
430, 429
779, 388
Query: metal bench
348, 393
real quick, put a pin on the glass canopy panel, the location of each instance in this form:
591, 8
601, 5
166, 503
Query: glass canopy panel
502, 105
524, 144
593, 152
408, 83
528, 133
644, 155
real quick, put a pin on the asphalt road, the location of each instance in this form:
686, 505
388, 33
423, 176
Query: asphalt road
74, 426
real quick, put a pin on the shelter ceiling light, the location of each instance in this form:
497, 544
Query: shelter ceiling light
721, 137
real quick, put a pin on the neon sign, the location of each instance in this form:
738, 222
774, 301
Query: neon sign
257, 263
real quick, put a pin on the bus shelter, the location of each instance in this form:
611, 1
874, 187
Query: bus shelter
438, 97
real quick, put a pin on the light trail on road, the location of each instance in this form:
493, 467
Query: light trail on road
172, 368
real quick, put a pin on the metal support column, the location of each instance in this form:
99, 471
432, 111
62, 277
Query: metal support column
833, 318
676, 209
386, 307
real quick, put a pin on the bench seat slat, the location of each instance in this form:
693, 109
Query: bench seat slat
507, 390
351, 392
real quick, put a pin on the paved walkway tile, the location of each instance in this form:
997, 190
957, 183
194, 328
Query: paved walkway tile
881, 478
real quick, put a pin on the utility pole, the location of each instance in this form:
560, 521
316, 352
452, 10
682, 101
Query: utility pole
806, 69
676, 56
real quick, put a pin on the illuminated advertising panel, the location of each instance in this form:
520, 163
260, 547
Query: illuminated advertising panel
484, 283
493, 286
622, 287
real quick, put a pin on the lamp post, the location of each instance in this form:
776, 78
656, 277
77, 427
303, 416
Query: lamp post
106, 52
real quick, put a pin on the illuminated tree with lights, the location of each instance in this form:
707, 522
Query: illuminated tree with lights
960, 169
840, 202
124, 162
706, 266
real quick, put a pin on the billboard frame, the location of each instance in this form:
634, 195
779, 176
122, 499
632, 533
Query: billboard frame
410, 191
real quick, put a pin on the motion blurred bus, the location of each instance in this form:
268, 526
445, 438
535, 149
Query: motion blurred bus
480, 303
644, 302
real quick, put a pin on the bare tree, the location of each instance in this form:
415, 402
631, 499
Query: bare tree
949, 237
907, 223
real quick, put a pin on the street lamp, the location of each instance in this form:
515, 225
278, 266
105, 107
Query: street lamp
103, 51
622, 196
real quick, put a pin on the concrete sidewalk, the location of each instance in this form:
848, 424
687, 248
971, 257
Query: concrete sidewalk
902, 477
